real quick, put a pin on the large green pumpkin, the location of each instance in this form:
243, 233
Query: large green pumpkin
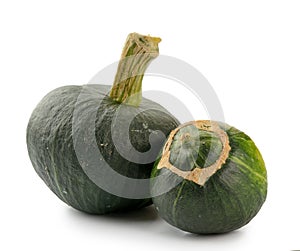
52, 137
214, 175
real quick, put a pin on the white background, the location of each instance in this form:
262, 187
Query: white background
248, 50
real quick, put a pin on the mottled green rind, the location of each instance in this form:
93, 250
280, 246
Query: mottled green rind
227, 201
51, 147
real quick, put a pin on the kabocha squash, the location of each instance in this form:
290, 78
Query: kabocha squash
216, 175
52, 138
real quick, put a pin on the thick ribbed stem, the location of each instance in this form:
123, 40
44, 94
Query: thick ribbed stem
137, 54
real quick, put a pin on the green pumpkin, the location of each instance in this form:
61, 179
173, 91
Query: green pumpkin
52, 138
216, 178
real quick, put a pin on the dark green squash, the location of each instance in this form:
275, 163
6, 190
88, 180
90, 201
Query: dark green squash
216, 178
51, 135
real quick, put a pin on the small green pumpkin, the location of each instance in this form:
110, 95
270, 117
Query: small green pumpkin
52, 138
216, 177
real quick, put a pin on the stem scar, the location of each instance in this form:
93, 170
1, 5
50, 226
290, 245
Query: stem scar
198, 175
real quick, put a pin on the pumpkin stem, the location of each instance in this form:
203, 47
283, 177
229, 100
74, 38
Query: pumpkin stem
137, 54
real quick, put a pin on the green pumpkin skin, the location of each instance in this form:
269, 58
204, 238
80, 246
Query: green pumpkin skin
51, 147
228, 200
